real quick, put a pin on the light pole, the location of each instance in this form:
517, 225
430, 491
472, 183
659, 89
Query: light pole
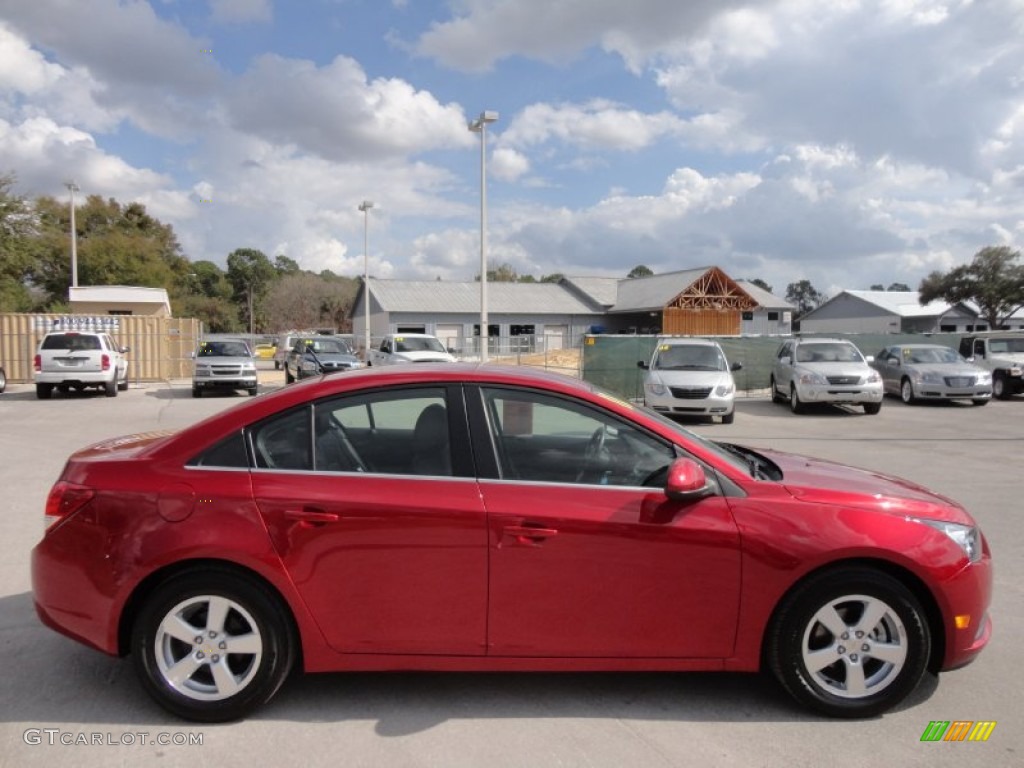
480, 126
365, 207
72, 188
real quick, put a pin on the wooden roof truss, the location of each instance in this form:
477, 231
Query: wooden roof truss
714, 290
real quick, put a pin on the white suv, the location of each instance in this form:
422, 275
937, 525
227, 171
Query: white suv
818, 370
78, 359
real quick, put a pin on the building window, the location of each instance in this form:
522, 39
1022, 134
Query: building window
119, 311
773, 317
947, 328
748, 315
410, 329
492, 330
521, 330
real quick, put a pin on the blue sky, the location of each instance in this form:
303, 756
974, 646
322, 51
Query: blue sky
848, 143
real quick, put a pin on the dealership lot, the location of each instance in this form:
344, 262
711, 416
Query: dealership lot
57, 691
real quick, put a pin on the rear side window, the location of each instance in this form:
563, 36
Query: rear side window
76, 342
229, 452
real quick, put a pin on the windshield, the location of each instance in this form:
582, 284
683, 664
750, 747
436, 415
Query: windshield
828, 352
930, 355
689, 357
223, 349
418, 344
327, 347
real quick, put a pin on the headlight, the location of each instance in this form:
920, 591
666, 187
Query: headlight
248, 366
810, 377
308, 365
967, 537
724, 390
656, 389
873, 378
931, 377
985, 378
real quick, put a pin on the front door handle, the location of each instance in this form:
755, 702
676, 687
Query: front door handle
313, 516
527, 535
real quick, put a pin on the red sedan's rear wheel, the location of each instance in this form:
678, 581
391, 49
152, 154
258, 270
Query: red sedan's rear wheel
850, 643
212, 646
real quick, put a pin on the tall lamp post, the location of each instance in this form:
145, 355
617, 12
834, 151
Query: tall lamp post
72, 188
480, 126
365, 207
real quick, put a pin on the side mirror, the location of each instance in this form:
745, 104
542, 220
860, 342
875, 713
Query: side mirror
736, 367
125, 350
643, 364
686, 481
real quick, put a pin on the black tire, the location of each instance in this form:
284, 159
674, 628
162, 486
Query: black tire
797, 633
247, 610
1000, 390
729, 418
907, 391
872, 408
981, 401
794, 399
197, 392
252, 391
43, 391
123, 385
776, 395
277, 365
110, 388
288, 378
3, 380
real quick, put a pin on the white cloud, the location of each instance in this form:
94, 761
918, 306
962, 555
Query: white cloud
508, 165
334, 111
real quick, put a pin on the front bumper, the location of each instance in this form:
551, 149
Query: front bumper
839, 393
225, 382
967, 596
712, 405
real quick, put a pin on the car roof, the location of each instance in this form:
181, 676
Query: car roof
687, 341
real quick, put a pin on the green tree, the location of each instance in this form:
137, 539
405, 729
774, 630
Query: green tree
877, 287
993, 280
804, 296
640, 270
251, 275
898, 287
17, 239
761, 284
286, 266
554, 277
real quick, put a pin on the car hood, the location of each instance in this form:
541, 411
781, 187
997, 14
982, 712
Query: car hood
947, 369
425, 356
688, 378
821, 481
837, 369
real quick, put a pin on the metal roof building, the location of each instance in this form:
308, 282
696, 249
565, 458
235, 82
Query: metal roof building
889, 312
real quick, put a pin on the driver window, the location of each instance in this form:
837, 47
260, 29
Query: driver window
539, 438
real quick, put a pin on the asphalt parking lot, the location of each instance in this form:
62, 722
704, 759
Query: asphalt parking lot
56, 691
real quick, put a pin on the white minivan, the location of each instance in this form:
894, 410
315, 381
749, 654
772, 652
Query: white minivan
690, 377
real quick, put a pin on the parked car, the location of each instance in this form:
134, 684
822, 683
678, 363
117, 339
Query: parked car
466, 517
316, 355
284, 345
1002, 353
264, 351
820, 370
690, 377
78, 360
931, 372
223, 365
399, 348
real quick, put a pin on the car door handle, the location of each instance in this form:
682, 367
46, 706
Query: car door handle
527, 535
314, 516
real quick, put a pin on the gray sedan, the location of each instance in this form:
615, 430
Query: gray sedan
931, 372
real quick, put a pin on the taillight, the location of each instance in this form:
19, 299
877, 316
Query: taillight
105, 362
64, 500
37, 363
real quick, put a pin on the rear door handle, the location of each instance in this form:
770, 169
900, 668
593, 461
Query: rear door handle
314, 516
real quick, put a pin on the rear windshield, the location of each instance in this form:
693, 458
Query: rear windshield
76, 342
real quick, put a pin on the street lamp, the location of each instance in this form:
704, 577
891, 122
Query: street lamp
480, 126
72, 188
365, 207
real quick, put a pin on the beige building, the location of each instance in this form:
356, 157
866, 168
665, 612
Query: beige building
119, 300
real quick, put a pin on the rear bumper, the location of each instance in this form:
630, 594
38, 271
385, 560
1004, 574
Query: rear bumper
71, 376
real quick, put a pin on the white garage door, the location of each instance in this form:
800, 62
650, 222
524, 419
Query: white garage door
555, 336
450, 336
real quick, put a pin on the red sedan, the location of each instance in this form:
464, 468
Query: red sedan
462, 517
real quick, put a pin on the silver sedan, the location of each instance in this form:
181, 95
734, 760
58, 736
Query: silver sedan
931, 372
